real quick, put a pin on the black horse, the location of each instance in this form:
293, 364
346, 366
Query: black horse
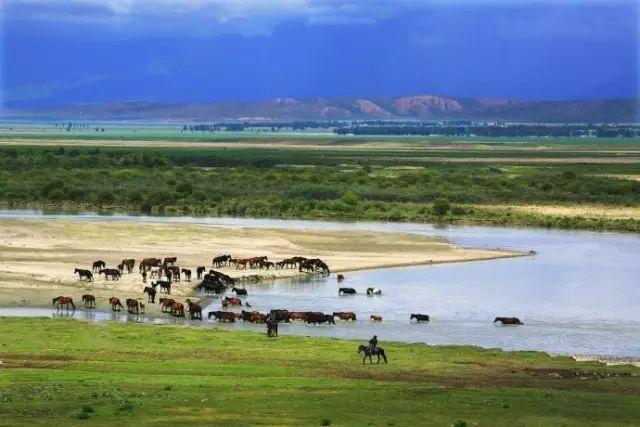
98, 265
419, 317
151, 291
368, 352
344, 291
200, 271
508, 320
239, 291
272, 327
84, 274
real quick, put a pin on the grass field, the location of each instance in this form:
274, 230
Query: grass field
65, 372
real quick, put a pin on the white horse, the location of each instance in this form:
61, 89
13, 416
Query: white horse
374, 291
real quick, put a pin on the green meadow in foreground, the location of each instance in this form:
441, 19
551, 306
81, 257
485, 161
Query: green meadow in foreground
66, 372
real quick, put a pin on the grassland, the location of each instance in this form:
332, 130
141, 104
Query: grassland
545, 183
59, 371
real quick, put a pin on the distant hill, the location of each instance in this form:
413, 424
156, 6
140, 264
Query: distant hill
421, 107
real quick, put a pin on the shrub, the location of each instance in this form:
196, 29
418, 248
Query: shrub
55, 194
185, 187
325, 422
106, 196
350, 198
441, 207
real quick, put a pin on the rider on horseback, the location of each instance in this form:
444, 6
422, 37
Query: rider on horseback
373, 343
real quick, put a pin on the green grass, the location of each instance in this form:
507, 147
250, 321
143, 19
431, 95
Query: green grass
67, 372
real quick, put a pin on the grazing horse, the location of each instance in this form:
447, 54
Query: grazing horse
200, 271
266, 264
195, 311
272, 327
89, 301
239, 291
419, 317
151, 294
312, 265
98, 265
84, 274
187, 274
508, 320
66, 301
345, 315
374, 291
116, 305
346, 291
376, 318
133, 307
222, 316
166, 304
368, 352
113, 272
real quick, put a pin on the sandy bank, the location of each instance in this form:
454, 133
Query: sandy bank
38, 256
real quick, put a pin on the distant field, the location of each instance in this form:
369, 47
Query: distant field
548, 183
65, 372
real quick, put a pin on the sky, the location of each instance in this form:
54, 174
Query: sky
61, 52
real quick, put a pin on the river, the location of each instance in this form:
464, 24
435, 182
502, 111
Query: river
579, 295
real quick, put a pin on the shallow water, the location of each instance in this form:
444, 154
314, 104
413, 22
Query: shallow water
579, 295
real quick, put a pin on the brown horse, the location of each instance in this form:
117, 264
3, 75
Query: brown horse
89, 301
298, 315
62, 300
345, 315
195, 311
133, 307
116, 305
376, 318
166, 304
129, 264
147, 263
177, 309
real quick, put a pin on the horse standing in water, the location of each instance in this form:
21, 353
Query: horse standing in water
368, 352
272, 326
66, 301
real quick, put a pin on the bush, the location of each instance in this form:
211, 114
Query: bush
441, 207
185, 188
350, 198
106, 197
55, 194
325, 422
87, 408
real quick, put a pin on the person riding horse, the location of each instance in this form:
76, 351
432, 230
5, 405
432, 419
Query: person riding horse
373, 344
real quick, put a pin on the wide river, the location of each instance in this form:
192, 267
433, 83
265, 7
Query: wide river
579, 295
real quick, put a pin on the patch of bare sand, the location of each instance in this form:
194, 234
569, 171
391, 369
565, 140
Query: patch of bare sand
38, 256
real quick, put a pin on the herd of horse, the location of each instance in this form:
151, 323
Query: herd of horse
165, 273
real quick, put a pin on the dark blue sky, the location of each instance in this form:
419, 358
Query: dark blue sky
86, 51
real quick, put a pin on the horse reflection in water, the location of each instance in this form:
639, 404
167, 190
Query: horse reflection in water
135, 318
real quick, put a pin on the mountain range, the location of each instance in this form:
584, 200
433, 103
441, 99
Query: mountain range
419, 107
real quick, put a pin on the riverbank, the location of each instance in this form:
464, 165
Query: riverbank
38, 256
62, 371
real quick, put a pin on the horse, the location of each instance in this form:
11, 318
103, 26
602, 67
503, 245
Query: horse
166, 304
374, 291
419, 317
151, 294
272, 327
187, 274
98, 265
147, 263
116, 305
84, 274
120, 267
266, 264
508, 320
89, 301
133, 307
312, 265
340, 278
62, 300
346, 291
222, 316
280, 315
375, 318
239, 291
252, 316
227, 301
170, 260
345, 315
200, 271
129, 264
317, 318
165, 286
298, 315
368, 352
195, 311
221, 260
172, 271
113, 272
177, 309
